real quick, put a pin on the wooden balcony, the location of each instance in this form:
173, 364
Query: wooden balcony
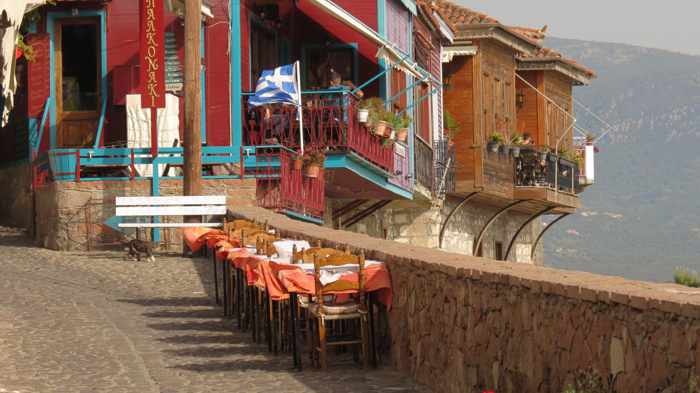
539, 179
283, 188
330, 123
550, 180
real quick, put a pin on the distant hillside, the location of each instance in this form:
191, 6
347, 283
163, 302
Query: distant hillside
642, 218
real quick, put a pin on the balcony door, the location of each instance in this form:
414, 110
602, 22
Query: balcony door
77, 69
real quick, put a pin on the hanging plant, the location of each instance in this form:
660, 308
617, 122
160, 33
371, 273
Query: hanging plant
495, 141
401, 124
313, 163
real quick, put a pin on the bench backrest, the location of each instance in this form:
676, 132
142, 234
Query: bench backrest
214, 205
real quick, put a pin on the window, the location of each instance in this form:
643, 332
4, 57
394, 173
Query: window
320, 60
398, 84
422, 111
79, 67
498, 251
263, 51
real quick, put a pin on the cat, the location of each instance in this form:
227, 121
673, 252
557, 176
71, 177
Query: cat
138, 247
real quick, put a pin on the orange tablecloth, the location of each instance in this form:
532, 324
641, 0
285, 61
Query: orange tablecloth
280, 279
195, 237
377, 280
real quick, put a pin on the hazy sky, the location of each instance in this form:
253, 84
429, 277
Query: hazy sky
668, 24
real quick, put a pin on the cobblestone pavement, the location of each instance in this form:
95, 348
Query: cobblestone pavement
93, 322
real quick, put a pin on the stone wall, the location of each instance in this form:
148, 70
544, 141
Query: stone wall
467, 324
419, 221
15, 198
70, 215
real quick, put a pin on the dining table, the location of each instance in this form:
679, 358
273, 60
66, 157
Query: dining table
283, 280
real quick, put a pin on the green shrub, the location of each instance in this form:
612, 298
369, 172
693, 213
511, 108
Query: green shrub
686, 277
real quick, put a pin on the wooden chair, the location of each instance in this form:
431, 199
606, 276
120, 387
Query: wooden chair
264, 246
234, 228
321, 312
307, 256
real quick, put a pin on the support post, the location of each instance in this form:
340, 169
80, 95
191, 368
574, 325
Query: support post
526, 223
539, 237
443, 227
480, 237
192, 183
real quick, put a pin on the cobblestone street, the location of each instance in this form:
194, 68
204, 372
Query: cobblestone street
94, 322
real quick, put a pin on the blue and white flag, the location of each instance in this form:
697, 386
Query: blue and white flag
278, 86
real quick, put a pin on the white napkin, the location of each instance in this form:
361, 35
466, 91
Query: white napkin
284, 247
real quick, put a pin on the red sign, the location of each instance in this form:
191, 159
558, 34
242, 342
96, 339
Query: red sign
152, 54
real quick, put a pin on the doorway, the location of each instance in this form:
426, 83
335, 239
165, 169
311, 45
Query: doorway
78, 74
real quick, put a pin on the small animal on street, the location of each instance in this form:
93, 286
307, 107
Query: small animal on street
138, 247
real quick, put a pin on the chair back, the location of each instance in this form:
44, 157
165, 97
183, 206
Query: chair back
264, 246
307, 255
337, 260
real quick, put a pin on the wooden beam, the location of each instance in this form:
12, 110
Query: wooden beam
192, 184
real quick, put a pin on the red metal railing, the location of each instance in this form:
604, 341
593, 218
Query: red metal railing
329, 123
281, 187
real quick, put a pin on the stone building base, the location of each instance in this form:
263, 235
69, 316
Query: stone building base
418, 222
71, 216
16, 207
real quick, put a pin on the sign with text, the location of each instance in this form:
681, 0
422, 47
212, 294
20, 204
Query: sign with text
152, 54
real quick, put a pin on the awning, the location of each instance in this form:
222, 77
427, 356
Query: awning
449, 52
387, 50
178, 8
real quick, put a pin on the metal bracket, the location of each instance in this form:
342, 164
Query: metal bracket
364, 213
537, 240
526, 223
443, 227
479, 238
340, 212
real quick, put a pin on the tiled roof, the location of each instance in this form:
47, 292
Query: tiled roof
533, 34
430, 6
459, 15
548, 54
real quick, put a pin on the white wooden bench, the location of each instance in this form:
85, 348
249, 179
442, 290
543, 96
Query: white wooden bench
173, 206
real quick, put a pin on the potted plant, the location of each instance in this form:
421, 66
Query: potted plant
388, 142
590, 138
381, 122
495, 141
543, 154
314, 163
401, 124
515, 142
371, 108
297, 162
367, 106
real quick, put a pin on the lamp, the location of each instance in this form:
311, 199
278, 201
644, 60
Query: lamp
519, 99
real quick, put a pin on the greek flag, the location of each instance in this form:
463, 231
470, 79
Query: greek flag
278, 86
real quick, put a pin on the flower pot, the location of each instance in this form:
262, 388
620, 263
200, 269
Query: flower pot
542, 156
312, 170
515, 151
382, 128
363, 115
297, 164
402, 134
492, 147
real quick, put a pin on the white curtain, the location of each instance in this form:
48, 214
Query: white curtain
11, 14
138, 127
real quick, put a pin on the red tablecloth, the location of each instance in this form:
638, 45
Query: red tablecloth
280, 279
195, 237
377, 280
